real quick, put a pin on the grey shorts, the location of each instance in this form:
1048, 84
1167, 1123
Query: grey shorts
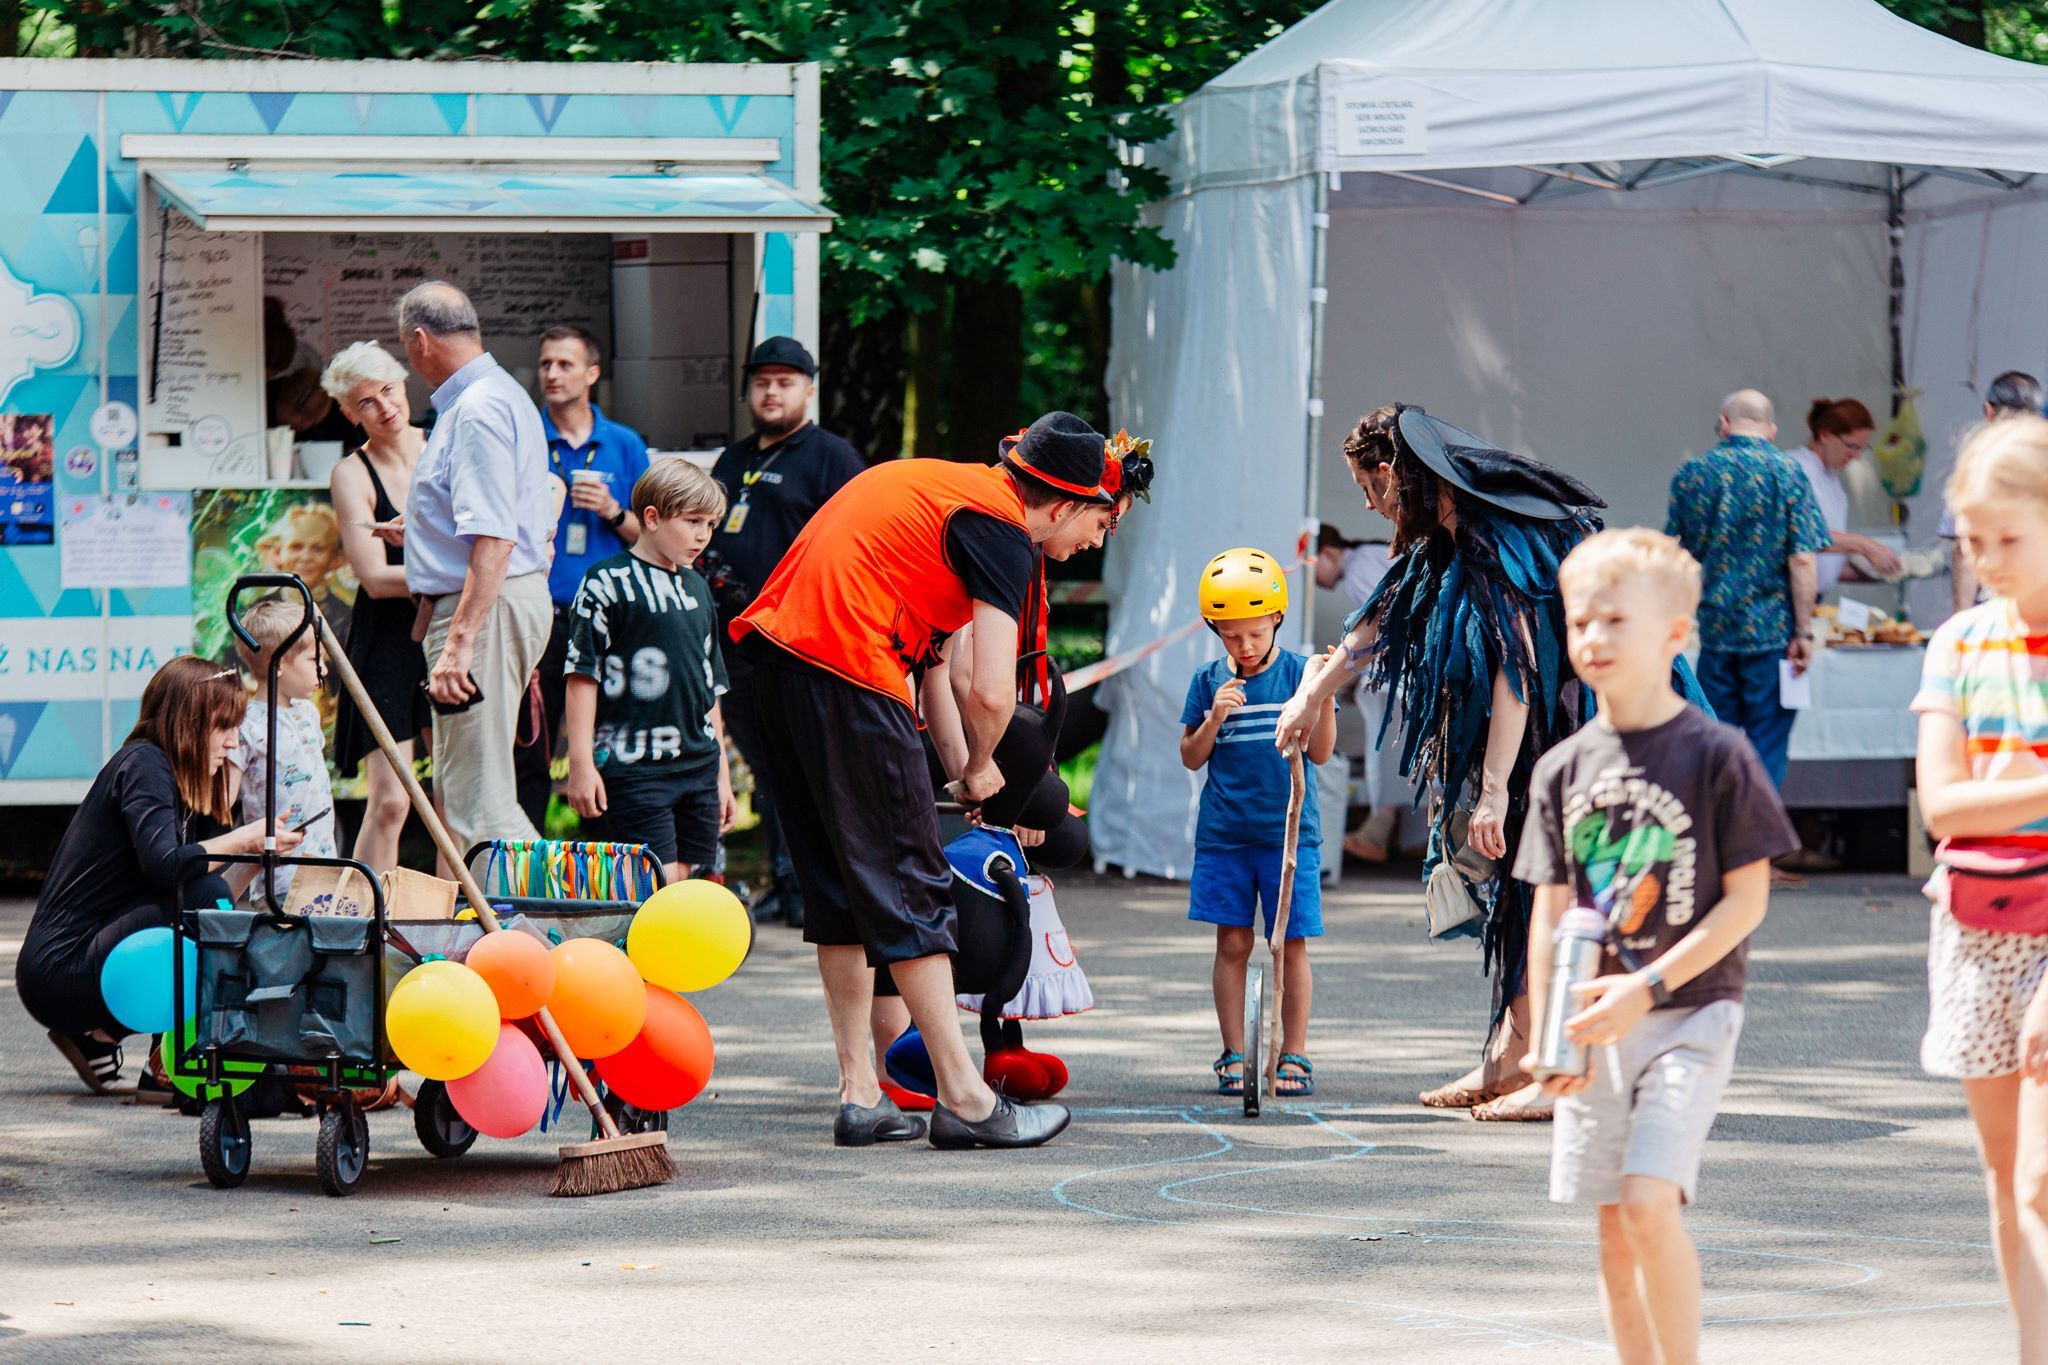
1674, 1065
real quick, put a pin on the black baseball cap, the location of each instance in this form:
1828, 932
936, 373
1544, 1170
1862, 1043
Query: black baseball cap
781, 351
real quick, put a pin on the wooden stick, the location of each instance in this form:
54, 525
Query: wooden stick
1290, 849
446, 844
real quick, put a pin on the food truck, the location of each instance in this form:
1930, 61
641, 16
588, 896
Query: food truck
183, 244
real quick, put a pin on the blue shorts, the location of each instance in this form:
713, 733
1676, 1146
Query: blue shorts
1228, 882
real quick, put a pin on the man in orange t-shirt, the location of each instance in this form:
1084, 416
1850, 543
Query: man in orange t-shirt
904, 554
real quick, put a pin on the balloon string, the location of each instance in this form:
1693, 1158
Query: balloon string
558, 1096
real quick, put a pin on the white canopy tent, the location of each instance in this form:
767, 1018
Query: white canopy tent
1569, 228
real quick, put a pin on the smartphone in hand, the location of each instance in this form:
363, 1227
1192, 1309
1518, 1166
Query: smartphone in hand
442, 708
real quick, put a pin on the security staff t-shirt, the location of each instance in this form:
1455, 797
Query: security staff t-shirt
649, 637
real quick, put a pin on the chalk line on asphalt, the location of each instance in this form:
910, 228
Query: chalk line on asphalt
1508, 1322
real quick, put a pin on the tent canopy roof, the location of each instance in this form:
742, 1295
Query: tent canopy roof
1534, 82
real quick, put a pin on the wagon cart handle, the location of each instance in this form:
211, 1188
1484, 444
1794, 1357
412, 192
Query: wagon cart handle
250, 582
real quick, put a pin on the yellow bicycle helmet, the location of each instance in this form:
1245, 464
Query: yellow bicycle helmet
1242, 583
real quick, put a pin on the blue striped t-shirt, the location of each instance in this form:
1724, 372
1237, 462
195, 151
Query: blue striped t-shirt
1245, 799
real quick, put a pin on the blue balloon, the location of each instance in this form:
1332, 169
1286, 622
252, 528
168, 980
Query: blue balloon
136, 981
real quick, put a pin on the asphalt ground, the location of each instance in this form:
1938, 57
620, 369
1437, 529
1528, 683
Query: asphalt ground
1840, 1214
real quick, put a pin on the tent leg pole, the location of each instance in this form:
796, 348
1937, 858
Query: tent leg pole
1895, 234
1318, 301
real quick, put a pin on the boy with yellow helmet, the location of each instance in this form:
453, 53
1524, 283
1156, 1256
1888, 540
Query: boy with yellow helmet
1232, 706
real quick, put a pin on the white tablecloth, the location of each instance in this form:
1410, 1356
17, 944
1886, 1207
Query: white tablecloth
1860, 701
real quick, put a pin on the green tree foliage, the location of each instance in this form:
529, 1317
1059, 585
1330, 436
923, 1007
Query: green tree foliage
973, 152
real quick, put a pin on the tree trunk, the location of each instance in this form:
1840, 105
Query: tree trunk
1109, 81
987, 363
10, 25
923, 384
862, 372
1967, 28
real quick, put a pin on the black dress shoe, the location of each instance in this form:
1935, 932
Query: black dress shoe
859, 1127
1008, 1125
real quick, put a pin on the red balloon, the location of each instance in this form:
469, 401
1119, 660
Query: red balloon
668, 1063
516, 967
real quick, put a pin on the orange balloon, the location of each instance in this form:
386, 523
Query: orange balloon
517, 968
599, 999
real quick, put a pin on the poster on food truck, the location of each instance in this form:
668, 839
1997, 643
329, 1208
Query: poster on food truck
238, 531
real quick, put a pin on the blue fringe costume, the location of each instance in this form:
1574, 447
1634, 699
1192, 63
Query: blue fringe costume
1450, 614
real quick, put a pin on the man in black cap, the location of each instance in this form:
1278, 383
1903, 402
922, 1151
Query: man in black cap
775, 480
907, 553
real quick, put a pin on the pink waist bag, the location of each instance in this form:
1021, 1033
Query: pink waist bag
1989, 885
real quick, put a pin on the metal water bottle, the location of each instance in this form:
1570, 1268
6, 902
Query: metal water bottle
1577, 947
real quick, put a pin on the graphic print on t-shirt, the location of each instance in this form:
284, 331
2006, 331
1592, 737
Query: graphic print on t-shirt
648, 636
1632, 847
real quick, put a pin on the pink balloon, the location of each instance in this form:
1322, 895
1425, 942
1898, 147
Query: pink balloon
507, 1094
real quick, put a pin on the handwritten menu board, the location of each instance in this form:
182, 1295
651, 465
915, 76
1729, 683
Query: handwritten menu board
341, 287
202, 327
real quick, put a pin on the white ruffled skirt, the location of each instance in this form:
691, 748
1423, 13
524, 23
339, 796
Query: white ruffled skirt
1055, 985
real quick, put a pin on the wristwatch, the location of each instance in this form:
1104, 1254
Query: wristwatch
617, 519
1660, 994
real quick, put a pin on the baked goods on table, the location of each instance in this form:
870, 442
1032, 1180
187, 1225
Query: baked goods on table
1882, 628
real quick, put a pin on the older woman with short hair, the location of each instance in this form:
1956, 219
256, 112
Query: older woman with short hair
368, 490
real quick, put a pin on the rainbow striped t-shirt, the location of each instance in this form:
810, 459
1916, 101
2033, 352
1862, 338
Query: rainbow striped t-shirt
1987, 671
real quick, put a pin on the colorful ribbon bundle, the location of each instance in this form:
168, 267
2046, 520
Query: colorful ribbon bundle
552, 869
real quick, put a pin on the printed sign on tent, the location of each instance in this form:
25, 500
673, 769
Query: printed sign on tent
1375, 117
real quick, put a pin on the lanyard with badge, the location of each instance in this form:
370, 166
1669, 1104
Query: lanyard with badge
575, 535
737, 517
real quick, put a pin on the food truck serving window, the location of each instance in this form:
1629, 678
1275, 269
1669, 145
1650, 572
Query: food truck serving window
315, 237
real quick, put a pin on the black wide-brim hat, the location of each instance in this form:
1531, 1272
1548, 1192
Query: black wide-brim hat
1477, 466
1064, 452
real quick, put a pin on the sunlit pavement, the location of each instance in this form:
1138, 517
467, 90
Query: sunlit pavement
1840, 1217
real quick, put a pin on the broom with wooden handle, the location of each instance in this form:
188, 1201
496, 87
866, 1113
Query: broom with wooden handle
615, 1161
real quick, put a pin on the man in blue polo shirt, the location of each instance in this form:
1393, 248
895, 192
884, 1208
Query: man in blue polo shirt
600, 460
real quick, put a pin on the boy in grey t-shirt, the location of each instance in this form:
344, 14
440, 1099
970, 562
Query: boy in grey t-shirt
1665, 822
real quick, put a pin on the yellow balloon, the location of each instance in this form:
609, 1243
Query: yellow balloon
442, 1020
689, 936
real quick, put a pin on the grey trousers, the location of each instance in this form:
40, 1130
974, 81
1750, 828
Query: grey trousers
473, 749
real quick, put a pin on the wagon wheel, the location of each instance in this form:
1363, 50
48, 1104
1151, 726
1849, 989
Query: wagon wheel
1254, 1041
441, 1130
632, 1118
344, 1148
224, 1143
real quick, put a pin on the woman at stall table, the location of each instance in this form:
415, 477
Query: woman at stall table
368, 489
1466, 632
158, 810
1839, 431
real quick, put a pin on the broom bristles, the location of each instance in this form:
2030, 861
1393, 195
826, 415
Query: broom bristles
627, 1163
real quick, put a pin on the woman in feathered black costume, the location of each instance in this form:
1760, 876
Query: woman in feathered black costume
1466, 633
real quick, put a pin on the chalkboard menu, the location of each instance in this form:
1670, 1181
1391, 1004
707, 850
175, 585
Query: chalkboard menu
341, 287
202, 325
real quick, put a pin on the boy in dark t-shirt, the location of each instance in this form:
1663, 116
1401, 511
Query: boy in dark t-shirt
646, 739
1665, 822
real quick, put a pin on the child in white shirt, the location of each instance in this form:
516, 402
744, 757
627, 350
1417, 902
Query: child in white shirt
304, 794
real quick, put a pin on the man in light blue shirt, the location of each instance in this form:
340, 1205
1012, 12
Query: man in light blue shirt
478, 526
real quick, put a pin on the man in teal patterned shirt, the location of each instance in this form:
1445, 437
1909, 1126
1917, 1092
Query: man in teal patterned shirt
1748, 515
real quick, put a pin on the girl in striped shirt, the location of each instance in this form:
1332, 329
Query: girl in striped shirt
1983, 774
